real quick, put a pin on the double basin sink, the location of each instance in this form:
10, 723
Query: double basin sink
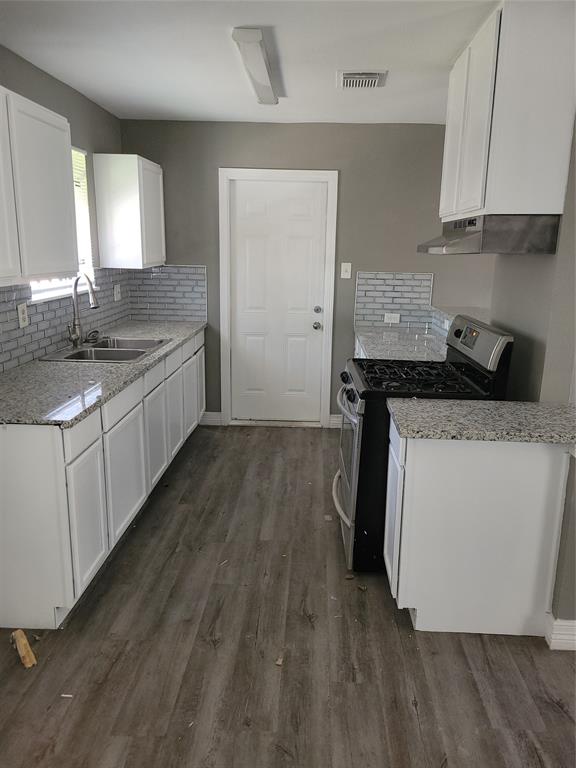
113, 349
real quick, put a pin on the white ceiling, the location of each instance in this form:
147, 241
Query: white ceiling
176, 60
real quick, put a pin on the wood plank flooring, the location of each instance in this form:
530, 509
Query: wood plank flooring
224, 634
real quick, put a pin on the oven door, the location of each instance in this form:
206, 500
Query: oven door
345, 482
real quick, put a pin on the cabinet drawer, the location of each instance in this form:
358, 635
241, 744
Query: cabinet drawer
153, 377
397, 443
188, 349
173, 361
120, 405
79, 437
198, 341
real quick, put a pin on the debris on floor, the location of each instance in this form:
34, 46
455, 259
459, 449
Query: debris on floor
223, 562
328, 518
362, 587
349, 576
20, 642
66, 695
279, 661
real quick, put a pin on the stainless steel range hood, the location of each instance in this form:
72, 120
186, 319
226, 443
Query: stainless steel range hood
497, 233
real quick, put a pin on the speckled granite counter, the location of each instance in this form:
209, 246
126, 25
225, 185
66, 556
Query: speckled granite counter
414, 343
64, 393
506, 421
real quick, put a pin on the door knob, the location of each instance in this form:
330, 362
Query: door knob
316, 325
317, 309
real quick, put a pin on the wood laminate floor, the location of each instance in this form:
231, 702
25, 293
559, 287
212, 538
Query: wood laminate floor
224, 634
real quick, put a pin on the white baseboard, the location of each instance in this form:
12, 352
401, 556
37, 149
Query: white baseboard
211, 419
214, 419
561, 634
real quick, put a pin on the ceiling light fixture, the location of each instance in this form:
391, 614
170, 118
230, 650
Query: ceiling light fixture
251, 46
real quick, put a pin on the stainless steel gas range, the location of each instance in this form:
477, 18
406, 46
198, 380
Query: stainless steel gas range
476, 368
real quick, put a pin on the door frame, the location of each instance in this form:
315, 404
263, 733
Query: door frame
225, 177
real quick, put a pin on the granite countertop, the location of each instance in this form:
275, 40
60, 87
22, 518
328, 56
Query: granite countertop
506, 421
402, 343
63, 393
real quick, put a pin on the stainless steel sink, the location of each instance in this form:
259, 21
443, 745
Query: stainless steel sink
114, 349
105, 355
118, 342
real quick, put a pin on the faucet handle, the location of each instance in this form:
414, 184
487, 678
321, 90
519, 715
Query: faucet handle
92, 336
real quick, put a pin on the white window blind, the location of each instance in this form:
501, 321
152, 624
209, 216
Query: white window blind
43, 290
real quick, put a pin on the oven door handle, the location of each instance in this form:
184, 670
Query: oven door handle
342, 407
336, 500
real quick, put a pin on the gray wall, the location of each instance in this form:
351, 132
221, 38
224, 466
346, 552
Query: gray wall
93, 129
534, 298
389, 185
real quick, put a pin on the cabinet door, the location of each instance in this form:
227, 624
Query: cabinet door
174, 398
453, 135
393, 521
478, 117
87, 511
201, 355
125, 461
42, 167
152, 213
190, 384
9, 249
156, 437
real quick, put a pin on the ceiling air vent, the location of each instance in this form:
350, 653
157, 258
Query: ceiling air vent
357, 80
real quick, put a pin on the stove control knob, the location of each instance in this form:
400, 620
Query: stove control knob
351, 395
458, 332
345, 377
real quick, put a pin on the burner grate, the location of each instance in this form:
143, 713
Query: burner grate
412, 377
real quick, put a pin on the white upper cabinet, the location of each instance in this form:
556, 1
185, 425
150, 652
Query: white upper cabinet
477, 116
510, 114
130, 208
9, 249
453, 135
41, 152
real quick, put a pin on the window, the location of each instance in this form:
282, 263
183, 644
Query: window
51, 289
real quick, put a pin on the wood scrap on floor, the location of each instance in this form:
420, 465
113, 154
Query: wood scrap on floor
20, 642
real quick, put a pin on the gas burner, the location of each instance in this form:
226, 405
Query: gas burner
413, 377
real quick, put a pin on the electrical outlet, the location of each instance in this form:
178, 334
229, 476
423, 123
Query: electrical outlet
117, 292
23, 319
391, 317
346, 270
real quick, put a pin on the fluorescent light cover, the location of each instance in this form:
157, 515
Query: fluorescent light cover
251, 46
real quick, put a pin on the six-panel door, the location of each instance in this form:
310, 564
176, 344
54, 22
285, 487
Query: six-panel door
125, 458
87, 509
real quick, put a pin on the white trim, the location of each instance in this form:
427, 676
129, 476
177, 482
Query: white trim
335, 421
211, 419
560, 634
330, 178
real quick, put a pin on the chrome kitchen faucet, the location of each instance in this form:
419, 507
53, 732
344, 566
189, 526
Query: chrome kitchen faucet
75, 328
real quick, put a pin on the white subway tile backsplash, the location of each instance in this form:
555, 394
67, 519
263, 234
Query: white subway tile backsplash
407, 293
162, 293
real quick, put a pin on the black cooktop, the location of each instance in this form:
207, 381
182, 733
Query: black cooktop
401, 378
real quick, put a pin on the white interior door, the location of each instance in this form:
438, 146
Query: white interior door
277, 253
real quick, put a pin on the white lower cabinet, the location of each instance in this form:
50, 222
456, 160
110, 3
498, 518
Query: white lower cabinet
201, 355
190, 386
125, 471
87, 510
174, 398
393, 521
90, 480
472, 531
155, 422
